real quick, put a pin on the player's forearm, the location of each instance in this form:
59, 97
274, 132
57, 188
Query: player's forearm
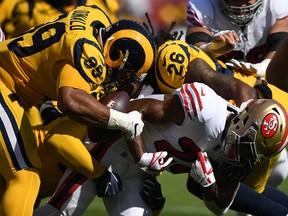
224, 85
135, 148
241, 92
82, 107
219, 199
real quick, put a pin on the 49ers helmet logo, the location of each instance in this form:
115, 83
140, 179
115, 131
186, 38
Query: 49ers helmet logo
269, 125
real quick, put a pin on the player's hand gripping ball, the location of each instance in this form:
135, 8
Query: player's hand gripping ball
118, 100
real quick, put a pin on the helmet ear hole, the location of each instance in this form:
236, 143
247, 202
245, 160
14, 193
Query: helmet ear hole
114, 53
245, 120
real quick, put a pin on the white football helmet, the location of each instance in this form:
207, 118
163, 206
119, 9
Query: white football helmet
241, 15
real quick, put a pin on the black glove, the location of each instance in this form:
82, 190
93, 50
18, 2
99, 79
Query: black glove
236, 173
108, 184
49, 113
151, 193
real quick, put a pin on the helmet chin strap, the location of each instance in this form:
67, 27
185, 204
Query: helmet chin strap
101, 36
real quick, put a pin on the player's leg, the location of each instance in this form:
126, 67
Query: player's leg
72, 196
21, 192
128, 201
64, 143
280, 171
51, 171
19, 161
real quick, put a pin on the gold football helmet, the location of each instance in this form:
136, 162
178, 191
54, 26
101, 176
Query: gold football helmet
129, 52
241, 15
258, 132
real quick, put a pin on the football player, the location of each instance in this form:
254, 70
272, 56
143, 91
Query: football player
166, 130
63, 60
212, 26
173, 59
184, 71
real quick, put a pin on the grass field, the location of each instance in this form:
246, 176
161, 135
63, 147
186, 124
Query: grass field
178, 201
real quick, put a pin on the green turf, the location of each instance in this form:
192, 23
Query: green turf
178, 201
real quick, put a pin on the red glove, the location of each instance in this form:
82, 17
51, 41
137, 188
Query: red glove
154, 161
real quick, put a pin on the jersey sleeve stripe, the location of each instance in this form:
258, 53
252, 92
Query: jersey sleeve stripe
185, 101
192, 18
198, 98
191, 98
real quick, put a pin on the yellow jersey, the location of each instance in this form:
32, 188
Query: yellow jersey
29, 64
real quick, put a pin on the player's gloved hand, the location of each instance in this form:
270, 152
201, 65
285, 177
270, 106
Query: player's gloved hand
108, 184
130, 123
222, 42
151, 193
257, 70
154, 161
202, 170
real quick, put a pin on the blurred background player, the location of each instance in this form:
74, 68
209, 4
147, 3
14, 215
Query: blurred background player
6, 23
259, 25
31, 13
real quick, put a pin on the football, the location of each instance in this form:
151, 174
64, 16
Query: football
118, 100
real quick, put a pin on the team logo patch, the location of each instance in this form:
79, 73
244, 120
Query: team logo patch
269, 125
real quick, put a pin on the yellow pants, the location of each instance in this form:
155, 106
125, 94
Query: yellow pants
19, 161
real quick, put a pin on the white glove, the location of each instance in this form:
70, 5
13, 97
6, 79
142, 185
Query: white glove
130, 123
202, 170
218, 47
258, 70
154, 161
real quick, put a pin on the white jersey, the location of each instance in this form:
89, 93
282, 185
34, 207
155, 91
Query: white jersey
205, 119
207, 14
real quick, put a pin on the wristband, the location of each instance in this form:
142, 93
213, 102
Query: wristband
262, 67
118, 120
208, 50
